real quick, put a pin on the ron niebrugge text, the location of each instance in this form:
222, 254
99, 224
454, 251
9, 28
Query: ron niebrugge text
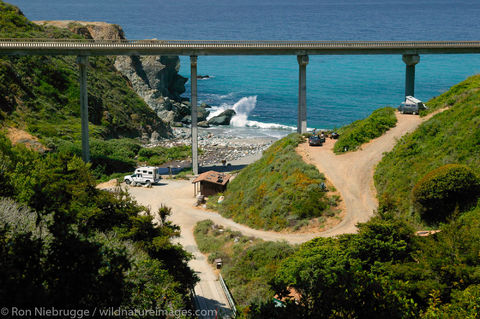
104, 312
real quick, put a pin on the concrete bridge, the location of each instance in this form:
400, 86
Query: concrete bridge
409, 50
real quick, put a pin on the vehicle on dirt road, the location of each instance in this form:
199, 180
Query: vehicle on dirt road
146, 175
411, 106
315, 140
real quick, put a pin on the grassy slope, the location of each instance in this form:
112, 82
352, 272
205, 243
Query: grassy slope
248, 264
457, 95
41, 94
353, 135
449, 137
278, 191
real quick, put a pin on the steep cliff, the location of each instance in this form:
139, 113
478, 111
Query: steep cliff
40, 94
154, 78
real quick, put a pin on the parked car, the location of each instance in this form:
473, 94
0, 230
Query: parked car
334, 135
411, 106
147, 175
315, 140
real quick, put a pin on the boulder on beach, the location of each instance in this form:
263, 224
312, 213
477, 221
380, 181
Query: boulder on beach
223, 119
203, 124
202, 115
187, 119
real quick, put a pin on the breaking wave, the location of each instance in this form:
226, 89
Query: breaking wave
243, 108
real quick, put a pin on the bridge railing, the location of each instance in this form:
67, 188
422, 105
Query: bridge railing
230, 300
75, 43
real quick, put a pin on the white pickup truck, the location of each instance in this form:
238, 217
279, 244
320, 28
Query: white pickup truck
147, 175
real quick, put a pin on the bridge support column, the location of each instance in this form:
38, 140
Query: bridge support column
302, 94
83, 63
410, 61
193, 102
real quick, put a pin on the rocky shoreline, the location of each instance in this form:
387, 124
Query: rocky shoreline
216, 146
155, 79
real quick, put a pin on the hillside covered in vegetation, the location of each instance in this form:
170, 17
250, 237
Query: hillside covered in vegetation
41, 93
249, 264
451, 137
386, 270
278, 191
354, 135
66, 244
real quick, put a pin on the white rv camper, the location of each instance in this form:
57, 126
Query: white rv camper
147, 175
411, 105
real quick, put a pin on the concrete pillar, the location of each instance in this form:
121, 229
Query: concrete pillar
83, 63
410, 60
302, 94
193, 100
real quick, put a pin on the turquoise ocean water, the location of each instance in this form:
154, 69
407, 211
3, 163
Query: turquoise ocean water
263, 89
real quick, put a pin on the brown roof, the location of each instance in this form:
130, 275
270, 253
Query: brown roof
213, 177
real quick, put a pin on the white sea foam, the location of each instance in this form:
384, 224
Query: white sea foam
243, 108
204, 79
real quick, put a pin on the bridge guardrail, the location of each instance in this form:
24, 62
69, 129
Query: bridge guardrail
228, 295
237, 44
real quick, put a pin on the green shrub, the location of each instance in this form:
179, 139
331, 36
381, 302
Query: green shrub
359, 132
107, 157
277, 191
452, 136
120, 155
248, 264
159, 155
60, 236
439, 192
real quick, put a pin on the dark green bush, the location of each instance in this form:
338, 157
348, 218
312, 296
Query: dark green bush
439, 192
248, 264
60, 236
120, 155
107, 157
452, 136
159, 155
359, 132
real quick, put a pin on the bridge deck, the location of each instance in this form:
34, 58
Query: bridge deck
192, 47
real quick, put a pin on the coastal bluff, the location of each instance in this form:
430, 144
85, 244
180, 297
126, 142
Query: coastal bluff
154, 78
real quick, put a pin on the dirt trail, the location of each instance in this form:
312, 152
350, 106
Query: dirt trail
350, 173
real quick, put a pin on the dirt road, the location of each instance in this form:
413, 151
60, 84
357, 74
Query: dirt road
351, 173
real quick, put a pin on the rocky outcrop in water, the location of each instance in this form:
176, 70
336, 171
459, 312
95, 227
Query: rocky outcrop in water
223, 119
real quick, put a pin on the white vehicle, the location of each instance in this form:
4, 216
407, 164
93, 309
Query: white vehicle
147, 175
411, 105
